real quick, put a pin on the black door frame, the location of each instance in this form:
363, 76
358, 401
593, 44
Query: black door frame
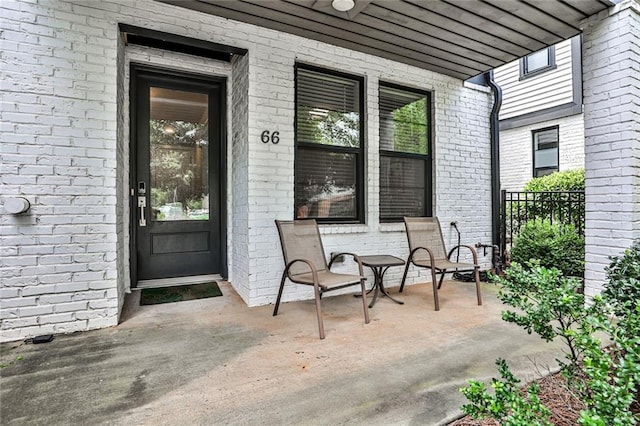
135, 70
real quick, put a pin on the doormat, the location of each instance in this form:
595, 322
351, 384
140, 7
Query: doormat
154, 296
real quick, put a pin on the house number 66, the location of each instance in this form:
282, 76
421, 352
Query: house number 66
274, 137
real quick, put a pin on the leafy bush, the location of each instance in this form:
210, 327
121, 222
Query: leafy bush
606, 378
195, 203
622, 289
568, 180
547, 303
610, 376
553, 245
159, 197
547, 198
507, 404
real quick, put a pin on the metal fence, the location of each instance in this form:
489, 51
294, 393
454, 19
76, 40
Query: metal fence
517, 208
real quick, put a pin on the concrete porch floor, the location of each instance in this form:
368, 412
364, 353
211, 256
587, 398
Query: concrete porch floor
216, 361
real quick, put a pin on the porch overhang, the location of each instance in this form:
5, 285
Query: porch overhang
459, 38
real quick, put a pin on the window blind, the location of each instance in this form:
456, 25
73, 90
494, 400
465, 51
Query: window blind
328, 164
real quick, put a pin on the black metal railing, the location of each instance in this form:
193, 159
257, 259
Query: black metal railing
517, 208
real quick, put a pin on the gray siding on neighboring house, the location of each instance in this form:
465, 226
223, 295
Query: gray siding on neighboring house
64, 113
545, 90
550, 98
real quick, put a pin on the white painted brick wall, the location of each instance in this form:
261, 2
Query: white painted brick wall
516, 150
237, 164
59, 151
611, 55
462, 164
122, 179
63, 114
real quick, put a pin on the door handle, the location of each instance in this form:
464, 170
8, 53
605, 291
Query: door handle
142, 203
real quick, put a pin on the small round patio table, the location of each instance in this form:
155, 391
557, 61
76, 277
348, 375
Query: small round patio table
379, 265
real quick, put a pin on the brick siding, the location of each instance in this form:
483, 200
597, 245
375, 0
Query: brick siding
611, 56
63, 121
516, 150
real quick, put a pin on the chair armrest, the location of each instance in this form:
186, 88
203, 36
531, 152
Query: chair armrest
473, 252
432, 258
356, 258
309, 263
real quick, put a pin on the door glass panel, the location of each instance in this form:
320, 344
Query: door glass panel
179, 155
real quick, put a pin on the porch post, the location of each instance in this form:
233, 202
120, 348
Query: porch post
611, 75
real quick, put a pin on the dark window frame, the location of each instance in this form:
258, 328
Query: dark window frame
427, 158
358, 152
524, 64
533, 150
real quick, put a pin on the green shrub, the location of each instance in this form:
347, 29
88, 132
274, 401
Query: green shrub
195, 203
547, 303
568, 180
559, 206
622, 289
506, 404
553, 245
610, 376
606, 378
159, 197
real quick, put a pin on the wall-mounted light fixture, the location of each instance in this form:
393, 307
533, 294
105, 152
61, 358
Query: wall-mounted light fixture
17, 205
343, 5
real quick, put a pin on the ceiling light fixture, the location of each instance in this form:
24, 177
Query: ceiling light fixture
343, 5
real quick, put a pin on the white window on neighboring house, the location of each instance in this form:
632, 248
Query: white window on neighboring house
538, 62
405, 153
545, 151
329, 146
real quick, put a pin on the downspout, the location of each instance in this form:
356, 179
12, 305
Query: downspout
495, 159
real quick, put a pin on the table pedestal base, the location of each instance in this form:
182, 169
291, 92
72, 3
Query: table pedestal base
378, 286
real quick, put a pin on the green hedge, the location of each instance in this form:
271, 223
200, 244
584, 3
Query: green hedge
568, 180
602, 348
553, 245
548, 198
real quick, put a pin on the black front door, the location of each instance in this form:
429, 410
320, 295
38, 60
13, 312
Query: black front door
176, 140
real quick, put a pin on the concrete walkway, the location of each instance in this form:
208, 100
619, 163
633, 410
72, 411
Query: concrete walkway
217, 362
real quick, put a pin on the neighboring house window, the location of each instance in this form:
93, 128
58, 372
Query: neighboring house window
329, 156
545, 151
539, 62
405, 153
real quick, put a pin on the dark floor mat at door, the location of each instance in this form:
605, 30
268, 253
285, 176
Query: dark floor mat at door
154, 296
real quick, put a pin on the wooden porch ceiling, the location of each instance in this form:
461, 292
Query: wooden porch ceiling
459, 38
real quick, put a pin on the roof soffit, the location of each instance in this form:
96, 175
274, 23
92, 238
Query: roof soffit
459, 38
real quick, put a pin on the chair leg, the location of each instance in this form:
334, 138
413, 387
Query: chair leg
364, 302
404, 277
435, 289
319, 311
476, 275
275, 309
444, 271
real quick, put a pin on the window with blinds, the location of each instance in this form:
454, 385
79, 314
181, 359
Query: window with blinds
545, 151
405, 153
329, 168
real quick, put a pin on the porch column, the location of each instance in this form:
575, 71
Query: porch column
611, 76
